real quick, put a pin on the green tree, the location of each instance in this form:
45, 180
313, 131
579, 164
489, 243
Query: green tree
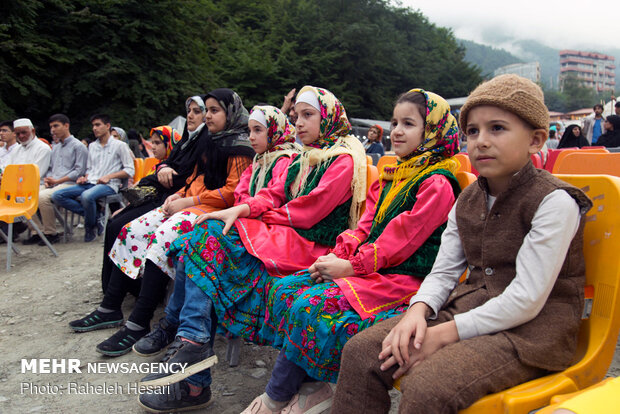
577, 95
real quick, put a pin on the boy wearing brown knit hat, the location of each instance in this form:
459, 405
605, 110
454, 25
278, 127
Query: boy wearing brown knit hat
517, 315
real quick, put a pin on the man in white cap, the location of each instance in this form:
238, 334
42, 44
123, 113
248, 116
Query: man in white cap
31, 150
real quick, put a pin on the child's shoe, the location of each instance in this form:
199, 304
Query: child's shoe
313, 398
121, 342
173, 398
259, 406
97, 320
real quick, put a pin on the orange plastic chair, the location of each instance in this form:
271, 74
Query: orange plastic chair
598, 333
138, 165
368, 159
465, 178
149, 163
19, 200
372, 175
463, 159
589, 163
386, 159
566, 152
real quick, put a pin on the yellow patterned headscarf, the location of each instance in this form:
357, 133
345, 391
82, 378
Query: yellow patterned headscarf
334, 140
439, 144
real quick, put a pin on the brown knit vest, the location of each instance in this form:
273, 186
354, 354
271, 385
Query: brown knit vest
491, 241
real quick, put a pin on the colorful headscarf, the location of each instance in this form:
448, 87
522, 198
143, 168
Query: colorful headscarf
334, 140
334, 121
280, 141
168, 135
439, 144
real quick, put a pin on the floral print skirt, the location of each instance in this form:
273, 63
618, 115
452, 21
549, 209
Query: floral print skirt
236, 281
310, 322
149, 237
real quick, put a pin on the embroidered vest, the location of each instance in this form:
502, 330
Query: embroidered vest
420, 263
327, 230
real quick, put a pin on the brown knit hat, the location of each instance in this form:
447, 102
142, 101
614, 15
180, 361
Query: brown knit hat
513, 93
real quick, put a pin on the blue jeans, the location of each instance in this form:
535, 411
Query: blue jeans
191, 309
87, 206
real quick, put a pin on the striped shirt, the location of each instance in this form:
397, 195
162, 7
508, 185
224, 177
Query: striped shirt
69, 159
108, 159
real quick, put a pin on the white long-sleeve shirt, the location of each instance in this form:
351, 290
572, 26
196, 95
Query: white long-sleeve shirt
538, 264
35, 152
106, 159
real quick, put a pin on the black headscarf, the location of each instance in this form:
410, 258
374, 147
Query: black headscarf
233, 140
570, 140
611, 139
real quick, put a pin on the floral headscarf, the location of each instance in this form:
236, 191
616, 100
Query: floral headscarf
280, 142
439, 144
279, 130
334, 121
168, 135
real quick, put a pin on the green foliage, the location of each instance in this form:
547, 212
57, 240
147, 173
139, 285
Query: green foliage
138, 60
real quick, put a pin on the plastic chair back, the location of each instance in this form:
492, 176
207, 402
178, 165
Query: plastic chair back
149, 163
138, 165
372, 175
598, 333
589, 163
536, 160
19, 192
465, 178
386, 159
463, 159
565, 152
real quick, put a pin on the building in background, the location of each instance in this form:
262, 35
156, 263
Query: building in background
595, 70
530, 70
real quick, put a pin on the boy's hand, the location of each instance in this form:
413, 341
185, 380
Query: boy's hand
395, 347
228, 216
330, 267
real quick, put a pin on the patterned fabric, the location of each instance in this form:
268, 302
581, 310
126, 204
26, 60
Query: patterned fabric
149, 237
311, 323
168, 135
334, 121
235, 132
280, 142
239, 298
440, 143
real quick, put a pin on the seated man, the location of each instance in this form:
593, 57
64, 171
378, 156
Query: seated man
67, 163
29, 151
7, 136
108, 163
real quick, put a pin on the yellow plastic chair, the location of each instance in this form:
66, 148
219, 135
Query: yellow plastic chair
464, 161
599, 332
149, 163
138, 165
598, 398
386, 159
566, 152
589, 163
465, 178
19, 200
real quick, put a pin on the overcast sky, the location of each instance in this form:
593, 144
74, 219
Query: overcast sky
567, 24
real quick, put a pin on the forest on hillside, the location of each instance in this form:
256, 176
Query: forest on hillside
139, 59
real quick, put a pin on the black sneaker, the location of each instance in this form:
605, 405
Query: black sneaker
183, 359
90, 234
97, 320
34, 239
121, 342
52, 238
174, 398
154, 342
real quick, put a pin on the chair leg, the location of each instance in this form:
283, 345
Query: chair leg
62, 221
9, 249
42, 236
15, 249
233, 350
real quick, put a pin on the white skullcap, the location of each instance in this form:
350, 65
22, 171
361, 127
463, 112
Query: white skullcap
258, 116
22, 122
310, 98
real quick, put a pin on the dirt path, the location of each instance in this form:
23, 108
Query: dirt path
42, 294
